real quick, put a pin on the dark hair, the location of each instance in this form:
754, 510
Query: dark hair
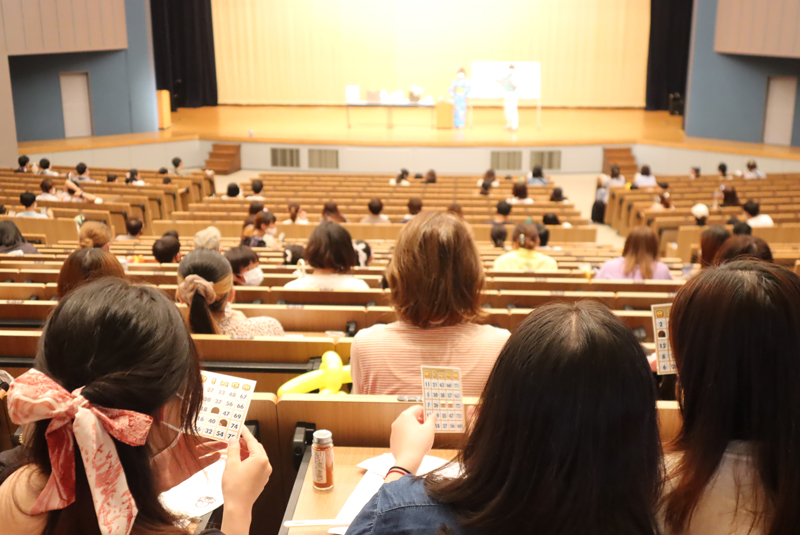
418, 175
294, 209
111, 177
486, 187
645, 170
696, 170
537, 172
520, 190
130, 180
46, 185
751, 164
213, 267
711, 240
664, 200
730, 197
176, 162
233, 190
455, 208
84, 266
557, 195
614, 171
10, 234
81, 168
257, 185
436, 274
503, 208
741, 247
240, 257
751, 207
127, 347
723, 169
544, 234
525, 236
414, 205
363, 253
430, 177
375, 206
331, 247
173, 233
134, 226
166, 180
133, 173
256, 207
550, 219
23, 160
575, 374
489, 176
2, 208
27, 199
741, 228
293, 253
165, 249
331, 213
498, 234
403, 173
735, 334
163, 171
264, 219
44, 163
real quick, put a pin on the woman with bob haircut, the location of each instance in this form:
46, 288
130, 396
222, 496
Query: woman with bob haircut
110, 410
86, 265
711, 240
735, 334
520, 194
564, 440
331, 253
742, 247
436, 278
639, 260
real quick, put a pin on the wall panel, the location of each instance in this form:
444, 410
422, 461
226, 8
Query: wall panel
758, 27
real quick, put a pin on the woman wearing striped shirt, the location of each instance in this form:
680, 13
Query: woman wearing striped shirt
436, 278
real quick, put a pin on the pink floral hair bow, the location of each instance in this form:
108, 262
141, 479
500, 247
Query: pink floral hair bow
33, 396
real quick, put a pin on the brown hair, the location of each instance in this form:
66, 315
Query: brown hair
85, 265
743, 246
641, 249
710, 241
330, 212
414, 205
455, 208
664, 200
525, 235
520, 190
436, 276
94, 234
331, 247
294, 209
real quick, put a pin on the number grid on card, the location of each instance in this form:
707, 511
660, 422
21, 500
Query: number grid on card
664, 357
226, 400
442, 395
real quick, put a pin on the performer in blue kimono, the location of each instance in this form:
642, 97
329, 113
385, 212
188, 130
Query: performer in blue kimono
459, 90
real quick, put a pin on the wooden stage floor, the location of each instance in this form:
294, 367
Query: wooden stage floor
412, 127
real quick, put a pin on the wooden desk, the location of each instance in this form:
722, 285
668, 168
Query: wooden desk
314, 504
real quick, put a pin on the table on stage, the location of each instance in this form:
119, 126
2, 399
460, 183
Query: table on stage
306, 503
389, 107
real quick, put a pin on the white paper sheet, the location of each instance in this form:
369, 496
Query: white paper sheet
198, 495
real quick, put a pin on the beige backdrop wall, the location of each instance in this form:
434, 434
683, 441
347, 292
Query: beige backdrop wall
593, 52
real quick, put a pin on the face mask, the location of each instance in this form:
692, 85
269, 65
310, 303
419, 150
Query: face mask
228, 308
272, 231
460, 75
253, 277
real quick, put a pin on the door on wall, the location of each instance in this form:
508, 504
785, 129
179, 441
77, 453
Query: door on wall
779, 111
76, 103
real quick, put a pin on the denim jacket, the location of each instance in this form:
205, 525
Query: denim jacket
403, 507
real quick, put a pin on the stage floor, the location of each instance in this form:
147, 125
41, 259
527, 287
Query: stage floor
412, 127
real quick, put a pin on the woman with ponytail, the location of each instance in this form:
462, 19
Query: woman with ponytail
109, 414
205, 284
525, 257
297, 216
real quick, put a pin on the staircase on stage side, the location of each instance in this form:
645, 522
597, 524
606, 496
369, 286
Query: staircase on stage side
624, 158
224, 158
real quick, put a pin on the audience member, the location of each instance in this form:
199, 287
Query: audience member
536, 177
86, 265
331, 213
330, 252
730, 197
117, 360
166, 181
256, 185
700, 213
743, 247
245, 266
232, 192
177, 165
436, 278
363, 253
644, 179
48, 191
94, 234
552, 219
711, 240
639, 260
486, 188
430, 177
499, 235
414, 208
265, 228
81, 174
741, 228
606, 182
401, 179
208, 238
524, 256
375, 207
544, 239
455, 208
489, 177
132, 178
662, 203
12, 242
754, 218
74, 193
564, 439
205, 283
163, 171
753, 172
502, 211
167, 250
735, 334
111, 178
28, 200
134, 228
297, 216
558, 196
173, 233
293, 255
256, 207
722, 169
520, 194
24, 164
44, 168
694, 173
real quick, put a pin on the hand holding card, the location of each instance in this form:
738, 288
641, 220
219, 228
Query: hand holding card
226, 400
441, 391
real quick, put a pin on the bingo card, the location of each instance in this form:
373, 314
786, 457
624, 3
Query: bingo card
665, 359
441, 389
226, 400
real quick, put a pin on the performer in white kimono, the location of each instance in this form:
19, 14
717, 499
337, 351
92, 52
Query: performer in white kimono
511, 100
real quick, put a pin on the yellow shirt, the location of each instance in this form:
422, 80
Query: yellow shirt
525, 260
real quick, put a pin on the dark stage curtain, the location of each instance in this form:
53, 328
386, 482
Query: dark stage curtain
183, 45
668, 60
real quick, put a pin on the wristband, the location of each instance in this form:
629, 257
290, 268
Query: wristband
400, 469
395, 471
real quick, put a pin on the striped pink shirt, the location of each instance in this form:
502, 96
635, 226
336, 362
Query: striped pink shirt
386, 359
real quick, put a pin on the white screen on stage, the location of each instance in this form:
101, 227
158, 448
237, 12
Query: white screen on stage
484, 76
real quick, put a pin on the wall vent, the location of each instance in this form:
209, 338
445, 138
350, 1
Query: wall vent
285, 157
510, 160
323, 158
547, 159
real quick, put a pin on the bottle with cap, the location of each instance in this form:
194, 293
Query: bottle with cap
322, 453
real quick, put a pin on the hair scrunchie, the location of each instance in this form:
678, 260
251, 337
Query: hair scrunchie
196, 284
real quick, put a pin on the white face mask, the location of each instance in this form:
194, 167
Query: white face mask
272, 231
253, 277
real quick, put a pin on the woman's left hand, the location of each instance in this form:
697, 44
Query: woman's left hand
180, 462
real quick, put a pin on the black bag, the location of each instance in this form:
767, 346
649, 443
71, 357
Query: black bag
598, 211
